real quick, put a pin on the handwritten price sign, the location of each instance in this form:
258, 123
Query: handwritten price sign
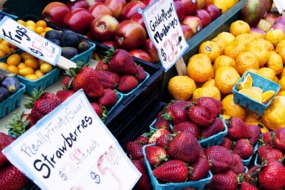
165, 31
29, 41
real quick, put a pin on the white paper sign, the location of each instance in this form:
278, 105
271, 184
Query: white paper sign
29, 41
165, 31
71, 148
280, 5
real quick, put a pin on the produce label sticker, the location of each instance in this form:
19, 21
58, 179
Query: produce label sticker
71, 148
165, 31
29, 41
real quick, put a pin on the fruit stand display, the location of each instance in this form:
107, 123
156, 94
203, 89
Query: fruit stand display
214, 127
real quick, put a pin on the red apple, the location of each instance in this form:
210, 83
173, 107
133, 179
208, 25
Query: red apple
278, 26
269, 17
254, 29
204, 16
110, 44
55, 12
98, 9
77, 4
139, 18
180, 10
78, 20
150, 48
131, 8
187, 31
194, 22
212, 10
190, 6
116, 7
280, 19
103, 28
130, 35
141, 54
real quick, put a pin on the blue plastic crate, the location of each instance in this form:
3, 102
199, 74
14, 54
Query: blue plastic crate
257, 81
84, 57
120, 98
12, 102
198, 185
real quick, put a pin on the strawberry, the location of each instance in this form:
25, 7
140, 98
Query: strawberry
161, 122
187, 126
134, 150
120, 61
154, 135
108, 79
200, 116
127, 83
101, 65
144, 182
213, 105
164, 140
254, 132
268, 153
247, 186
141, 75
227, 143
243, 148
65, 82
100, 110
143, 139
30, 120
199, 169
237, 165
12, 178
267, 138
64, 94
155, 155
108, 99
279, 138
251, 176
272, 176
237, 129
225, 180
171, 171
221, 159
184, 146
175, 111
5, 140
216, 127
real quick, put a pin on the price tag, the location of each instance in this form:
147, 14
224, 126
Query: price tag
165, 31
280, 5
71, 148
29, 41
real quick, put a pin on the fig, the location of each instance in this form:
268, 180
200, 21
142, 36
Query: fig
53, 34
11, 83
70, 39
69, 52
4, 94
84, 45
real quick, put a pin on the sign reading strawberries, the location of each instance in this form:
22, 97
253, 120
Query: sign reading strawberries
29, 41
165, 31
71, 148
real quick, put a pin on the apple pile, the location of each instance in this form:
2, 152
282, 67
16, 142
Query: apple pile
118, 24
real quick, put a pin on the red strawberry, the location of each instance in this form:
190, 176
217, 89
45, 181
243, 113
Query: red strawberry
171, 171
237, 129
267, 153
254, 132
216, 127
200, 115
144, 182
164, 140
237, 165
251, 176
120, 61
227, 143
99, 110
141, 75
279, 138
101, 65
5, 140
221, 159
187, 126
134, 150
225, 180
267, 138
64, 94
272, 176
213, 105
108, 99
143, 139
247, 186
127, 83
108, 79
175, 111
65, 82
154, 135
199, 169
161, 122
12, 178
31, 121
243, 148
155, 155
184, 146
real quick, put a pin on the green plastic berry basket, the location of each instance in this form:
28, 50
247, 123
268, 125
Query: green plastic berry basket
257, 81
12, 102
119, 100
198, 185
84, 57
247, 162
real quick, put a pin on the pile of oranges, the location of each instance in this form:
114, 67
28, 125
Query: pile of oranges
222, 61
26, 65
40, 26
6, 48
